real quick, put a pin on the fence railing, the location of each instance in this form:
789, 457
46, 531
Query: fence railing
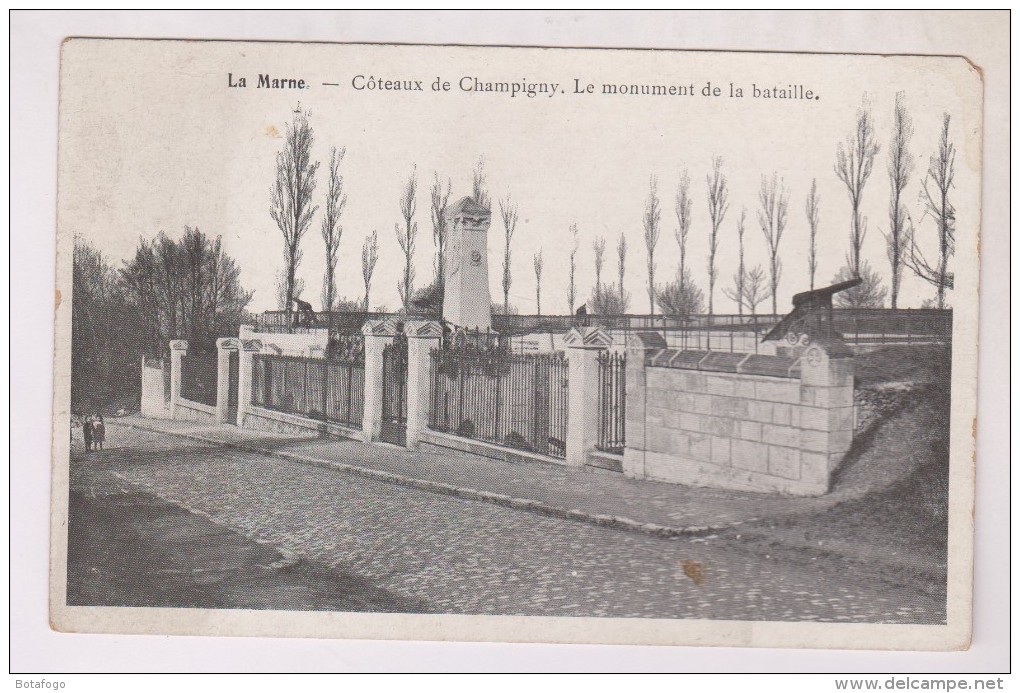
904, 321
612, 406
731, 332
198, 377
342, 322
516, 400
881, 326
328, 390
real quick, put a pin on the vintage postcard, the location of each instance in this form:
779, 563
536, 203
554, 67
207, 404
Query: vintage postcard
516, 344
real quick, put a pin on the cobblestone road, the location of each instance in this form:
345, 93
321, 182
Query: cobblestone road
460, 556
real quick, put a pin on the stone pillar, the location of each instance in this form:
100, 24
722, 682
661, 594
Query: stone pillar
178, 348
639, 346
378, 333
584, 344
826, 411
423, 337
224, 348
249, 347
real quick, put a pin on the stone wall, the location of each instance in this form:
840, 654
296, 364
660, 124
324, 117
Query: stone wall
739, 421
186, 410
269, 421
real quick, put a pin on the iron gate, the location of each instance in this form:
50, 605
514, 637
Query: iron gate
394, 395
612, 402
517, 400
199, 373
232, 385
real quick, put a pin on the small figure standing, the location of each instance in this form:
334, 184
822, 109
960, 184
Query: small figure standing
86, 432
98, 431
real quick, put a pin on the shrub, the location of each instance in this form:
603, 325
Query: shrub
680, 298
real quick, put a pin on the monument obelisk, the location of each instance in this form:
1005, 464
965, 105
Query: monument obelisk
466, 300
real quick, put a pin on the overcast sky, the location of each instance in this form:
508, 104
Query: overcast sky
153, 139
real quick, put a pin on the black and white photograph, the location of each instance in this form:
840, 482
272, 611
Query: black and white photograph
516, 344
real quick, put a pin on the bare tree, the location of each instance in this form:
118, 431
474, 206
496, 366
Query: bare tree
537, 262
440, 198
114, 322
772, 217
717, 206
683, 220
369, 256
184, 289
296, 290
755, 289
811, 209
187, 288
621, 262
650, 221
291, 198
572, 286
739, 279
935, 195
868, 294
406, 238
478, 192
854, 160
507, 210
500, 309
336, 200
607, 301
599, 248
901, 163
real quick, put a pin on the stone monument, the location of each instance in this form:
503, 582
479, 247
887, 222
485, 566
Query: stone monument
466, 301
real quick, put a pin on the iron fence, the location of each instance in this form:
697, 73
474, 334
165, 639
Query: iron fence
199, 373
612, 404
394, 392
886, 326
865, 327
516, 400
914, 322
717, 332
328, 390
343, 322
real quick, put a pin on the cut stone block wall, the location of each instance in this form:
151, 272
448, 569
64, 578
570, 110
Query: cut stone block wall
740, 421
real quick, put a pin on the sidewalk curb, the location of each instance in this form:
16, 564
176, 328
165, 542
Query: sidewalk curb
525, 504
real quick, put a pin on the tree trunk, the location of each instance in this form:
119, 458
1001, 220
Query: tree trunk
291, 272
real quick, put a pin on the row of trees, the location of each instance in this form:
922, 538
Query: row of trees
750, 286
292, 209
855, 160
186, 288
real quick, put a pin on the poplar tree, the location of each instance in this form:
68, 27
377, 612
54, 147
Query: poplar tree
291, 199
